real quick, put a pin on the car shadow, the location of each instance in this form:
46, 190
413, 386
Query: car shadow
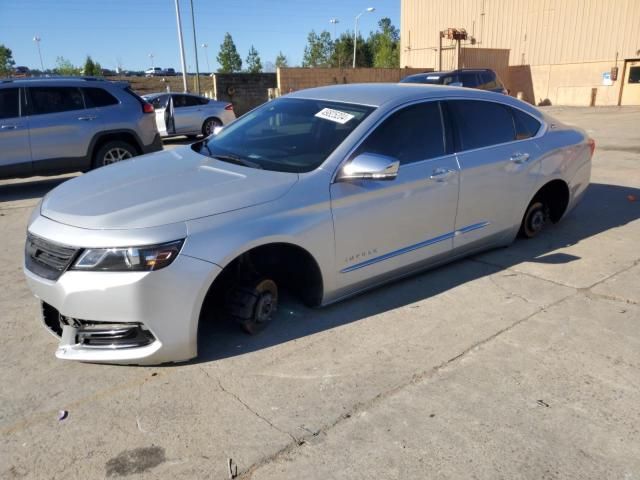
10, 192
603, 207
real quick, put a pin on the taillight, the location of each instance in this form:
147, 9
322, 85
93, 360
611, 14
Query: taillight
229, 107
592, 145
147, 107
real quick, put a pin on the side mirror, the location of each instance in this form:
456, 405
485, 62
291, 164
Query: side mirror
455, 84
370, 166
217, 129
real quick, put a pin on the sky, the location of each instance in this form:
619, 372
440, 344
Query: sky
126, 31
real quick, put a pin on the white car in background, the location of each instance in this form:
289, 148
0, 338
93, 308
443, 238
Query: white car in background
190, 115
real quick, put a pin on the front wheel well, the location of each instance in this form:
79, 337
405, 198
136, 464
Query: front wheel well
292, 267
555, 195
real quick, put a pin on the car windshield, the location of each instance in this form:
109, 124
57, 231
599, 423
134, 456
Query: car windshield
286, 135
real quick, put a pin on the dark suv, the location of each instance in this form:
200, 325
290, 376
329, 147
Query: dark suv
480, 78
50, 126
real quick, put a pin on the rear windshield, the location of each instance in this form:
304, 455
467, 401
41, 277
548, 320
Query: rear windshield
431, 79
286, 135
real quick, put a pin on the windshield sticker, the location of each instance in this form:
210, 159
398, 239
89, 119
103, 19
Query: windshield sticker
334, 115
432, 77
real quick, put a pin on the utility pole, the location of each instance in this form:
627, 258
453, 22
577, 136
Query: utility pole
184, 65
195, 48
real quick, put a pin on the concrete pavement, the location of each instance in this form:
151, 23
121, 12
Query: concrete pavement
517, 363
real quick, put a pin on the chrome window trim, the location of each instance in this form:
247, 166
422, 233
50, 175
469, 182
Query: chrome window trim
543, 129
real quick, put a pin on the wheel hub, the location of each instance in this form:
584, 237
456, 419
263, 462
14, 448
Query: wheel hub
116, 155
537, 220
264, 307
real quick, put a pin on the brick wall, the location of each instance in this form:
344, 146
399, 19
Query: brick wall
143, 86
292, 79
244, 90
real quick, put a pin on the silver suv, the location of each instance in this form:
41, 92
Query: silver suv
50, 126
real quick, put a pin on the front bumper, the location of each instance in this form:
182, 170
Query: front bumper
157, 312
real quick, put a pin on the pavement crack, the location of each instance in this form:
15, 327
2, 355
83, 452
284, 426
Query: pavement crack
248, 407
505, 290
380, 397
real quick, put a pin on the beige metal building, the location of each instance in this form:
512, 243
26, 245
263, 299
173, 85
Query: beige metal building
558, 51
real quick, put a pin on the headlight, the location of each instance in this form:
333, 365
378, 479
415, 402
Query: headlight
153, 257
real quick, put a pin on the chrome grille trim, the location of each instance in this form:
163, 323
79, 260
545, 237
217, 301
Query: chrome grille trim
47, 259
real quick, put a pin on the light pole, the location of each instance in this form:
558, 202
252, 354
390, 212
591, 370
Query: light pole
355, 32
335, 21
180, 41
206, 55
195, 48
37, 40
151, 57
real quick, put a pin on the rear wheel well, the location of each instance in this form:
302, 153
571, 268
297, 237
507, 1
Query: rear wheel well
554, 195
116, 136
291, 267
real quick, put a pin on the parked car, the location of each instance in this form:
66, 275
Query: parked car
325, 192
187, 114
480, 78
56, 125
153, 72
170, 72
21, 72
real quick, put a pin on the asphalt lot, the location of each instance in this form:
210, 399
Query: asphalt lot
517, 363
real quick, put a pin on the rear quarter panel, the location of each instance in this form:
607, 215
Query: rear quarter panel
566, 157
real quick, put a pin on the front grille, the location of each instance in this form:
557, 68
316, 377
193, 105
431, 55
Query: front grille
47, 259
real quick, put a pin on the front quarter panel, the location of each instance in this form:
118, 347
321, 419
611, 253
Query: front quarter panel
302, 217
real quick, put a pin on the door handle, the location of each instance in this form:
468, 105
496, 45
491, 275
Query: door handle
441, 174
8, 127
87, 118
519, 158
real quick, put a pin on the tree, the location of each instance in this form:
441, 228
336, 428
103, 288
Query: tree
317, 53
342, 55
228, 57
6, 61
65, 67
385, 45
281, 61
91, 68
254, 65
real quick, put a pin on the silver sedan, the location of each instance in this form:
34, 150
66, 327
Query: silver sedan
190, 115
324, 193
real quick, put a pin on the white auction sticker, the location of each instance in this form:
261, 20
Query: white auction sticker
432, 77
334, 115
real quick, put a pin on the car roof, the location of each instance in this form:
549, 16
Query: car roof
391, 94
77, 81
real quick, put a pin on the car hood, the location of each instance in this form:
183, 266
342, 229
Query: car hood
161, 188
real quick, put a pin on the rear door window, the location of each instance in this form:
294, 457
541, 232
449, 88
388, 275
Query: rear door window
526, 126
98, 97
179, 101
412, 134
55, 99
468, 79
191, 101
9, 103
481, 124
